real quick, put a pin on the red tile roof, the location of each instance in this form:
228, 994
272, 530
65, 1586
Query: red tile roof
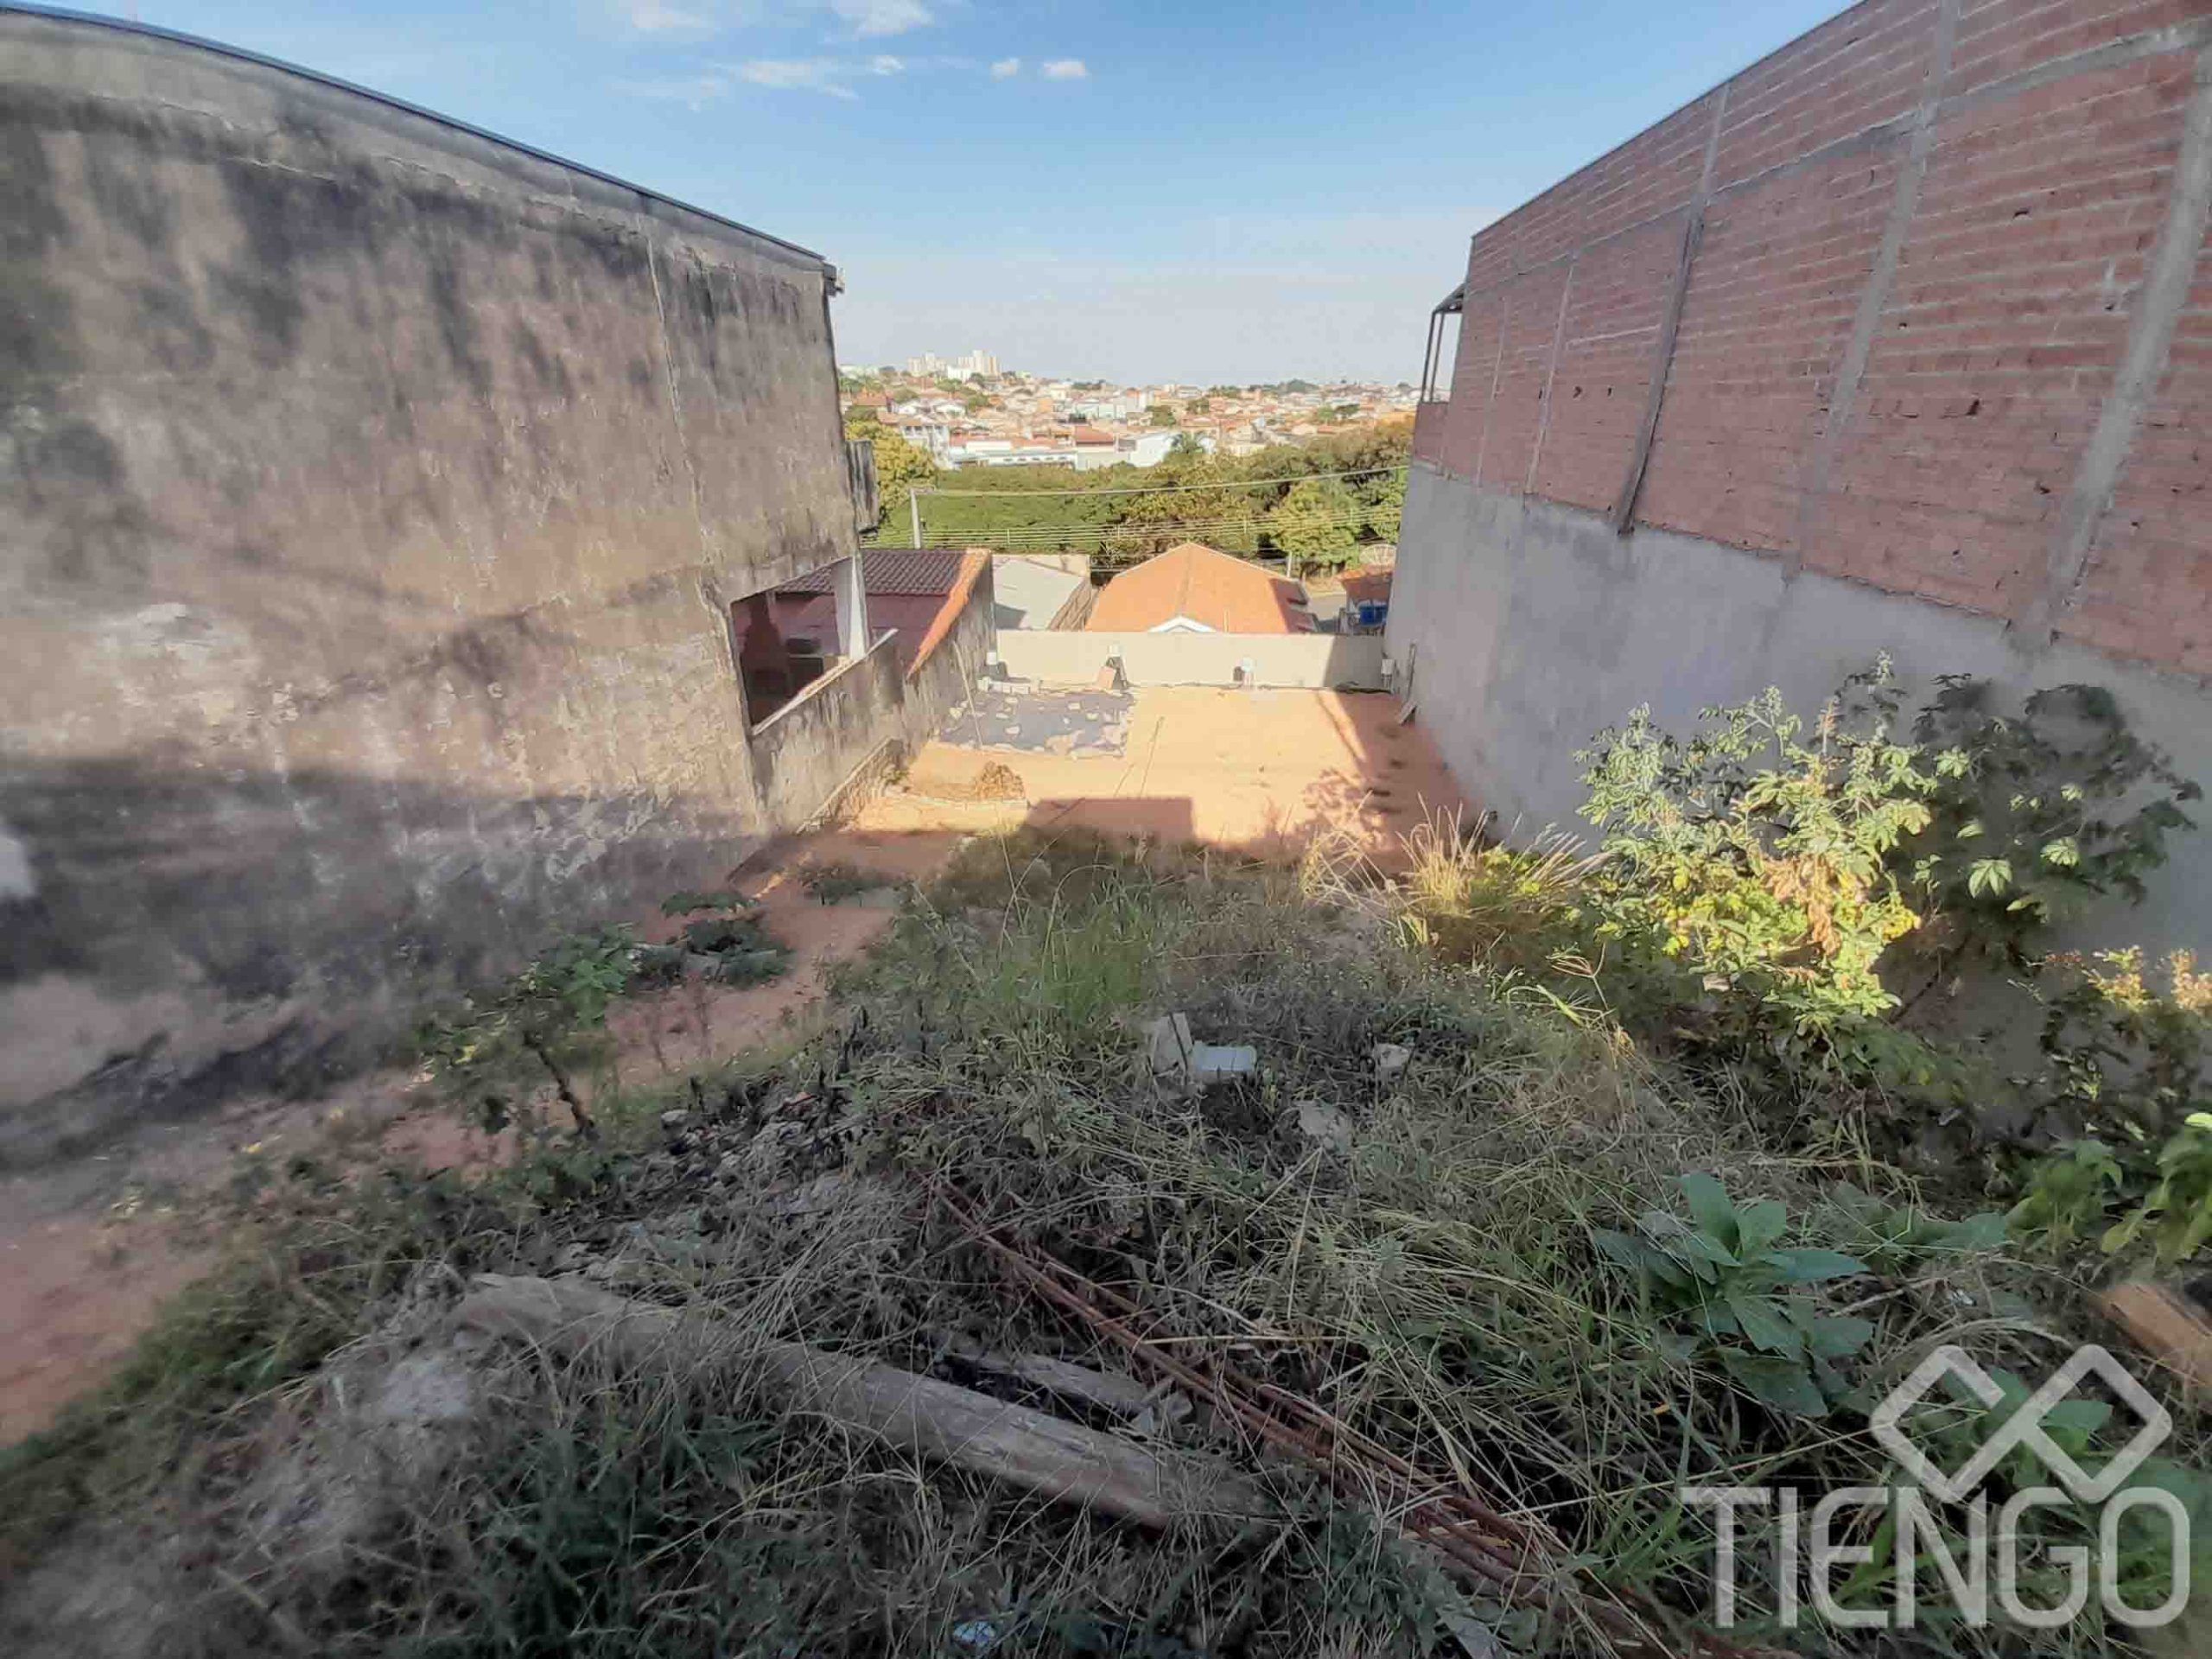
1368, 587
1230, 595
973, 563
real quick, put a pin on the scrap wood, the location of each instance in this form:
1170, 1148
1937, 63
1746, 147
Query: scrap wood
2166, 1325
1510, 1558
1029, 1449
1111, 1391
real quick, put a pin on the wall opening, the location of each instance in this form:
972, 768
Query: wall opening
787, 639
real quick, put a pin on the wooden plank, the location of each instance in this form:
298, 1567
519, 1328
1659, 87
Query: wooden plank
1032, 1450
2165, 1325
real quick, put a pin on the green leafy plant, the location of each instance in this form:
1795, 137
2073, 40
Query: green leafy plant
832, 880
2054, 807
1950, 1428
1903, 1239
496, 1048
2124, 1090
726, 929
1733, 1292
2177, 1214
491, 1046
1758, 863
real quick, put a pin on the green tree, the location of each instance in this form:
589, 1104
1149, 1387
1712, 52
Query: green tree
1383, 499
1313, 525
1201, 406
1162, 415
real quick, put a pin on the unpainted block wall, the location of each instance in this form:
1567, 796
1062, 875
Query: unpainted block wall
1900, 341
1944, 325
371, 495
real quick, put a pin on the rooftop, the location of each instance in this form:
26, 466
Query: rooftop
893, 570
1204, 588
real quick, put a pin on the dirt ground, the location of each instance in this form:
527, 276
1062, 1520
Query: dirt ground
1261, 771
90, 1249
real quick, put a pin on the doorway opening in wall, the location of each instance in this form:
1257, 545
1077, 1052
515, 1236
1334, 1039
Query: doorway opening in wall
787, 639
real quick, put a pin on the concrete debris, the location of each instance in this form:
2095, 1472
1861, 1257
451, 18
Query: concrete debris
1323, 1124
1390, 1059
1180, 1063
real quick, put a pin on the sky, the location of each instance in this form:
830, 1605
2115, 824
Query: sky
1205, 191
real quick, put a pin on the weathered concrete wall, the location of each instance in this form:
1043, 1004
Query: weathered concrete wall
1901, 338
1058, 657
806, 752
948, 660
1529, 626
372, 494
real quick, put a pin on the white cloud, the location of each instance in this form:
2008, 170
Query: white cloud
832, 76
1005, 68
878, 17
695, 90
1066, 69
825, 76
660, 17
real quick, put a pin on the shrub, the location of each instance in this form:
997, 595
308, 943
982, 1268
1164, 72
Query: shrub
1759, 864
2123, 1089
2037, 822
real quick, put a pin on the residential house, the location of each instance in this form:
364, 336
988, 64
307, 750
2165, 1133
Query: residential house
1191, 588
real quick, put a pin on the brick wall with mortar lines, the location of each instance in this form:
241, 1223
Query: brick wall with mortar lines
1946, 325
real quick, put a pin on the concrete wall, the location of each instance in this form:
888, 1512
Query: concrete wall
1527, 627
1057, 657
805, 753
948, 658
1901, 340
372, 494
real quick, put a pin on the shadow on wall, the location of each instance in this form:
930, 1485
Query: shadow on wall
190, 932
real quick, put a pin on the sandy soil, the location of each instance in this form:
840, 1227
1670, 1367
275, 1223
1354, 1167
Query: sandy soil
90, 1249
1263, 772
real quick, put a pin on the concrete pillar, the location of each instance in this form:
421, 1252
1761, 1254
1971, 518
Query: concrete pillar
851, 584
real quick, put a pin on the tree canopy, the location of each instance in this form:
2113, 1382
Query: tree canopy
1230, 502
1316, 524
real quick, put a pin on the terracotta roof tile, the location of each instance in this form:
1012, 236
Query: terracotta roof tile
1230, 595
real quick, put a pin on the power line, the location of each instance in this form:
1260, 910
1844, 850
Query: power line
1172, 489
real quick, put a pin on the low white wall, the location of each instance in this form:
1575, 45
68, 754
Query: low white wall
1280, 659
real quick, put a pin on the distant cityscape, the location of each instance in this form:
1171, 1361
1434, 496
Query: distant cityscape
968, 410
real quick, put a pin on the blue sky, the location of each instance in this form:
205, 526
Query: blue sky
1198, 190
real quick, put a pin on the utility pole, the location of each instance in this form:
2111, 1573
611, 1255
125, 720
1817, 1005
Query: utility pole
914, 506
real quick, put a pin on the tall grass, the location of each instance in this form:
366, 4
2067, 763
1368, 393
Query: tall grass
1428, 1278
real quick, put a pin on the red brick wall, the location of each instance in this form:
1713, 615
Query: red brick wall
1926, 232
